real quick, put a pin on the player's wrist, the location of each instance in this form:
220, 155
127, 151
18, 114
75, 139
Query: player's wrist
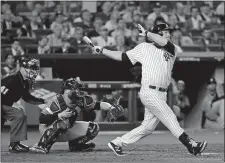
102, 50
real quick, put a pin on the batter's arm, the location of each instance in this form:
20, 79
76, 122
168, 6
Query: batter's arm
152, 36
116, 55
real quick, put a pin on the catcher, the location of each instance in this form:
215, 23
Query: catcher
58, 119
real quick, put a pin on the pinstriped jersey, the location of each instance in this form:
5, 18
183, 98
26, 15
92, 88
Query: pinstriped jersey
157, 63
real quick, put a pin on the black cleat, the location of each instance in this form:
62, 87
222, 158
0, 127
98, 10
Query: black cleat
198, 149
82, 147
116, 149
17, 147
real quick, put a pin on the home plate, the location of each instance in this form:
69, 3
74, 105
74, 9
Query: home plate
207, 154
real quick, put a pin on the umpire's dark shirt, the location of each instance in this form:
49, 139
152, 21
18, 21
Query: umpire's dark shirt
14, 87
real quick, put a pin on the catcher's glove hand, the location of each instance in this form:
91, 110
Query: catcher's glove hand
115, 112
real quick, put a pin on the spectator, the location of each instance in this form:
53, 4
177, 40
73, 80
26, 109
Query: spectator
120, 44
205, 13
181, 105
26, 30
121, 26
180, 12
55, 39
77, 40
97, 28
117, 7
36, 22
9, 21
157, 13
149, 23
67, 30
85, 19
220, 9
176, 37
215, 22
43, 46
173, 22
5, 8
208, 37
133, 40
106, 12
128, 13
17, 49
11, 66
137, 18
103, 40
59, 17
38, 8
195, 21
49, 5
112, 23
213, 107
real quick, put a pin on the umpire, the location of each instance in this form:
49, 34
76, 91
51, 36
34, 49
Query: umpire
13, 88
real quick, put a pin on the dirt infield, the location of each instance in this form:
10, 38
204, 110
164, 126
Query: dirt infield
160, 147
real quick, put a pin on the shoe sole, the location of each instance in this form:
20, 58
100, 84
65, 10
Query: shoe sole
18, 151
111, 147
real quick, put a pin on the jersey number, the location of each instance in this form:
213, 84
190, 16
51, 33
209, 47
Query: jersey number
4, 90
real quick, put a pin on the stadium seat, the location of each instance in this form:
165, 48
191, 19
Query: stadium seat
196, 32
5, 40
26, 40
189, 48
215, 47
11, 32
31, 48
42, 32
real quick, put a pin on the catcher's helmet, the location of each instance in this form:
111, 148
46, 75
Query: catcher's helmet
159, 28
72, 84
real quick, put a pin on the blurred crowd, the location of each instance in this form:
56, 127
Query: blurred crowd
46, 27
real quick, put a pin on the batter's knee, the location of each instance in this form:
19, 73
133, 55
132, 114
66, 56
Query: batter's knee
93, 130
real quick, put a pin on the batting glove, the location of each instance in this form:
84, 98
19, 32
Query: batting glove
142, 31
97, 49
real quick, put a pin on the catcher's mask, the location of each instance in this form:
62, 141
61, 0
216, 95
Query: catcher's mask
31, 67
72, 84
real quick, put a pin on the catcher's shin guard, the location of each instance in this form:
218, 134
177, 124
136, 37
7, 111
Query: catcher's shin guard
51, 135
92, 132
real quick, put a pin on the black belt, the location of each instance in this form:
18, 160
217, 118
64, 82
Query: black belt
158, 88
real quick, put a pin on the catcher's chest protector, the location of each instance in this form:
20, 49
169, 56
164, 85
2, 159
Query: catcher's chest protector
63, 106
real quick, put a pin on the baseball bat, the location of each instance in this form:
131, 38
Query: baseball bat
89, 42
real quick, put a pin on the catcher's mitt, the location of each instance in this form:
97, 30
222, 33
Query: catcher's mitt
115, 112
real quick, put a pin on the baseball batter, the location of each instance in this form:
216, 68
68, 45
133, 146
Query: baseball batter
157, 61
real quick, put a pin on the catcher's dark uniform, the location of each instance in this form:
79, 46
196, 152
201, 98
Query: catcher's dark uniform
76, 132
13, 88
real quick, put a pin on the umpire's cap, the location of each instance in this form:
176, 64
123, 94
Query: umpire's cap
160, 27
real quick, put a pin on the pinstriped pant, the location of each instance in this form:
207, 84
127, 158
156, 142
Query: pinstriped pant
156, 109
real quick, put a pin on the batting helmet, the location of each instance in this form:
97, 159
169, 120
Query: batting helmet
159, 28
